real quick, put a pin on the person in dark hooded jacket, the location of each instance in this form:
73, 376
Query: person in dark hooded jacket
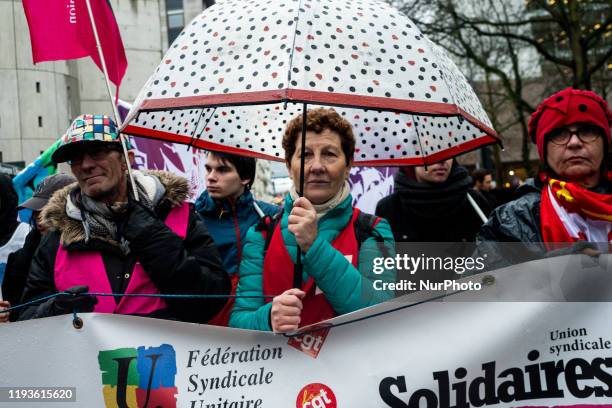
8, 209
12, 232
18, 263
430, 204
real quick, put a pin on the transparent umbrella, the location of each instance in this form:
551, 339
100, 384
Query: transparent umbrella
242, 69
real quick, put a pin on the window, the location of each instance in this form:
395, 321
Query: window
176, 19
174, 5
70, 107
40, 121
37, 87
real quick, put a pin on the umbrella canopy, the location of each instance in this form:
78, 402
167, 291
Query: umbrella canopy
241, 70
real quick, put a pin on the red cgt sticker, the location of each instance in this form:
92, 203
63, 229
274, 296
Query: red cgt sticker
310, 343
316, 395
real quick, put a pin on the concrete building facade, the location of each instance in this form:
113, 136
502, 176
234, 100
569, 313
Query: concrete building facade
38, 102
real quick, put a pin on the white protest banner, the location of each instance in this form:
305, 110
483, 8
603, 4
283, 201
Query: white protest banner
409, 354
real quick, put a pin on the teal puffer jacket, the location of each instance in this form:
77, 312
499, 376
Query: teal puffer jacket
346, 288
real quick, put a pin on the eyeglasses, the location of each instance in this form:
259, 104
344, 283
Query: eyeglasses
586, 134
96, 153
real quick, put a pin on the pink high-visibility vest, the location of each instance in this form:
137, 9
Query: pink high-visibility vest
74, 268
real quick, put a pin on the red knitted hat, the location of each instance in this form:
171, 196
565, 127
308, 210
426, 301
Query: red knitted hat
566, 107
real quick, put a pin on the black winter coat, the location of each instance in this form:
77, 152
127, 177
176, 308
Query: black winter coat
513, 234
174, 265
8, 209
518, 222
420, 212
17, 269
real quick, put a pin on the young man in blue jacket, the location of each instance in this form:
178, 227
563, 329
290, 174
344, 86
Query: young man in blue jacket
229, 210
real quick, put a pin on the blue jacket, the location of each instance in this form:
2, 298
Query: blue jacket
229, 222
346, 287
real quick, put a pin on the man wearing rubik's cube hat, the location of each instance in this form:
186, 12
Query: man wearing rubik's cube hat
103, 240
90, 129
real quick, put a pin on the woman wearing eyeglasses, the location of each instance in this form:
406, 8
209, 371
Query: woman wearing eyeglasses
571, 200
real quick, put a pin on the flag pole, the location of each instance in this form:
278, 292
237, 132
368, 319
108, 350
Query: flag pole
110, 95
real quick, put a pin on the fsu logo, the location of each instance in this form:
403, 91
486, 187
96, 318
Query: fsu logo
139, 378
316, 395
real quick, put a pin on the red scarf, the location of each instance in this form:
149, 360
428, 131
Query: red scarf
570, 213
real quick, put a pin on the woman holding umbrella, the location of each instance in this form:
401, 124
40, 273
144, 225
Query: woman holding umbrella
572, 200
338, 242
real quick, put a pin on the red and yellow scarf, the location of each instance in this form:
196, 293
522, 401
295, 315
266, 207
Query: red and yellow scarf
570, 213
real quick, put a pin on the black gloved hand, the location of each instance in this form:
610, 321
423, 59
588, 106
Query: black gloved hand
140, 222
128, 212
138, 207
133, 209
73, 300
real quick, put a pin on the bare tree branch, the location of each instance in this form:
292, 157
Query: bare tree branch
598, 33
602, 61
538, 46
490, 40
518, 23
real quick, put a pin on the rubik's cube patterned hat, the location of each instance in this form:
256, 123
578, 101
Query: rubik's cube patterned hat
87, 129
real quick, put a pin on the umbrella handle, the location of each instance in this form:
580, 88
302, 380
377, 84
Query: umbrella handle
302, 156
297, 269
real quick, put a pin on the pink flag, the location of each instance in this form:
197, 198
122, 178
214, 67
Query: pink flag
53, 30
108, 32
61, 30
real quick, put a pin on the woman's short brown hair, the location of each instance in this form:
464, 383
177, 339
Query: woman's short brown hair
317, 120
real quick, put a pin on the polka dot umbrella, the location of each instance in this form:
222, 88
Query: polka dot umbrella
241, 70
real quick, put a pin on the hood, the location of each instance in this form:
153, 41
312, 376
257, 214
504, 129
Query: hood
8, 208
205, 204
531, 185
62, 215
434, 200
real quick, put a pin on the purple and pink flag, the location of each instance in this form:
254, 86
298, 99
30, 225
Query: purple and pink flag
61, 30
